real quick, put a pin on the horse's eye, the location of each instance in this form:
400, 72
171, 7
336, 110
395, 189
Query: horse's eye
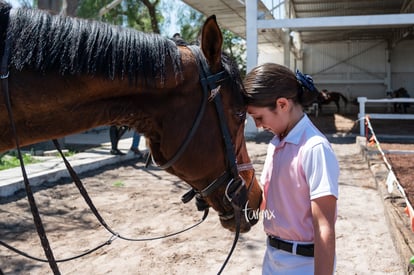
241, 115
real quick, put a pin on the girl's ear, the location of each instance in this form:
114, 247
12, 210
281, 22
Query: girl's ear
282, 103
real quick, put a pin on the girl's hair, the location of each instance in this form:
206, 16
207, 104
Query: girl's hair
268, 82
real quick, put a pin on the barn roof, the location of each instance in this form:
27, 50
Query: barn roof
332, 19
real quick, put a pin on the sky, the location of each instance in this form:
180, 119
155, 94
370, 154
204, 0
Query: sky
15, 3
172, 14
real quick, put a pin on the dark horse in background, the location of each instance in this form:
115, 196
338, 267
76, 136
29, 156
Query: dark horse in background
68, 75
325, 97
402, 106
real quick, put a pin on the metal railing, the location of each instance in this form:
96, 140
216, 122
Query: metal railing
361, 115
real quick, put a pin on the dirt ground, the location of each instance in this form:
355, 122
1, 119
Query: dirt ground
393, 136
403, 167
142, 203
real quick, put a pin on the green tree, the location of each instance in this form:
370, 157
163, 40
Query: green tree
235, 46
142, 15
156, 16
91, 8
67, 7
190, 24
191, 21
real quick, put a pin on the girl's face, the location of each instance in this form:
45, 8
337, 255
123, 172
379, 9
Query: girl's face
274, 120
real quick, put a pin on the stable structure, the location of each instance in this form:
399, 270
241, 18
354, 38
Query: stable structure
353, 46
358, 48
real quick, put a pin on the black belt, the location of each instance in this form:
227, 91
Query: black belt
301, 249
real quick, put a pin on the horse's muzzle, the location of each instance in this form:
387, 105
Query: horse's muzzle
247, 218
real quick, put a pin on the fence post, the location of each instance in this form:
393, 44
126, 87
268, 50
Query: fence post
361, 115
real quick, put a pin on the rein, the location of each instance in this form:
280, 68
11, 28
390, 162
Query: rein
236, 192
101, 220
187, 140
4, 74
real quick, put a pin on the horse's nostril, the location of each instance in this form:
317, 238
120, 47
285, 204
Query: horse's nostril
253, 221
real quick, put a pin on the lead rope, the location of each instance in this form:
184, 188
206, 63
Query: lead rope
24, 254
97, 215
4, 74
113, 236
30, 197
237, 217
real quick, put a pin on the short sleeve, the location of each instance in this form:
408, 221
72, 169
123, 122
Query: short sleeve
321, 170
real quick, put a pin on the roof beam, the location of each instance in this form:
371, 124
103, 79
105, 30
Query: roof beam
313, 2
406, 6
339, 22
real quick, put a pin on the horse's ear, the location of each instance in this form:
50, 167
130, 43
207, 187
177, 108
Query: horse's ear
211, 42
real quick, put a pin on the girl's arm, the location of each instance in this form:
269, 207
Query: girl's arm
323, 213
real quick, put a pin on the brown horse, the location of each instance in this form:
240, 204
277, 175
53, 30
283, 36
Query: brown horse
400, 107
325, 97
67, 75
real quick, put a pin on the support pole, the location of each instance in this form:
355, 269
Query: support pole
252, 45
251, 34
361, 115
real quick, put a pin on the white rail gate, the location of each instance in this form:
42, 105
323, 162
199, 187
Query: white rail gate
361, 115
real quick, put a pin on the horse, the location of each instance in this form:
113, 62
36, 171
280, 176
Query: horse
67, 75
325, 97
400, 107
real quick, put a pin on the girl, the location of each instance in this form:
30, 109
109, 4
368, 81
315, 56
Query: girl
300, 174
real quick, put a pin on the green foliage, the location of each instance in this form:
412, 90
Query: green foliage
118, 184
235, 46
191, 23
136, 14
10, 161
130, 13
90, 8
66, 154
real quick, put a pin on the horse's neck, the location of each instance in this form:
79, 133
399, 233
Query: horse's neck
52, 106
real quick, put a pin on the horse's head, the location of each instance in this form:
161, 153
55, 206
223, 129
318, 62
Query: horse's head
202, 138
401, 92
112, 75
322, 96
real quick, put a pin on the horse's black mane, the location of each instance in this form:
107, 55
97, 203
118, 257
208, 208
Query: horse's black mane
44, 42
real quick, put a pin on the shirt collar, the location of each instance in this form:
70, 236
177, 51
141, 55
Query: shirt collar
294, 135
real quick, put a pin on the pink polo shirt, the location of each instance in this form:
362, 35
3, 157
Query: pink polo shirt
298, 169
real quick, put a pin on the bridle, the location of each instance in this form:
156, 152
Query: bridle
236, 190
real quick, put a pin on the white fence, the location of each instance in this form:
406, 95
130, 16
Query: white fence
361, 115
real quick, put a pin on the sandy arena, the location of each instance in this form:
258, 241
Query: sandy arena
140, 202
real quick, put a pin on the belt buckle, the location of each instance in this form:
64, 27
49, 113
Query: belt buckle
294, 248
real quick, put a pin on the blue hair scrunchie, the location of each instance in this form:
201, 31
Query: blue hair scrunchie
306, 81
